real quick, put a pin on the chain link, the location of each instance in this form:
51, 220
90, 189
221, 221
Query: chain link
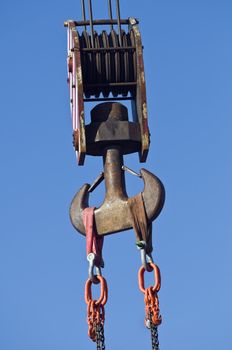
100, 337
154, 334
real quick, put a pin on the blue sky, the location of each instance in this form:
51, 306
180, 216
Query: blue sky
43, 267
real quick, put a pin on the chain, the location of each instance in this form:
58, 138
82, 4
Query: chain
154, 335
96, 312
152, 312
100, 337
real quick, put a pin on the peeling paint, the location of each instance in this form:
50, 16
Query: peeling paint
142, 75
79, 75
145, 110
146, 141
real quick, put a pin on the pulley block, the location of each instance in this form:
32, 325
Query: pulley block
106, 66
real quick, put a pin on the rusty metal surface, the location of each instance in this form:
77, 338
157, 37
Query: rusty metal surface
105, 64
99, 22
76, 92
141, 99
110, 126
114, 214
101, 135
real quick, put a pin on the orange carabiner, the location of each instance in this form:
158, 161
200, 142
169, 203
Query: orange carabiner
157, 276
104, 291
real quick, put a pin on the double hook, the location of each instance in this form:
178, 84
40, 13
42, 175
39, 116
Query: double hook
114, 214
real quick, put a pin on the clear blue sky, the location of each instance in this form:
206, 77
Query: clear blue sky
188, 58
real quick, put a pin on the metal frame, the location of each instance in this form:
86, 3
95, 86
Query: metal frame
76, 93
75, 77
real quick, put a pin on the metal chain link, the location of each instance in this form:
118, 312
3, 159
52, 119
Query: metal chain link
154, 335
100, 337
